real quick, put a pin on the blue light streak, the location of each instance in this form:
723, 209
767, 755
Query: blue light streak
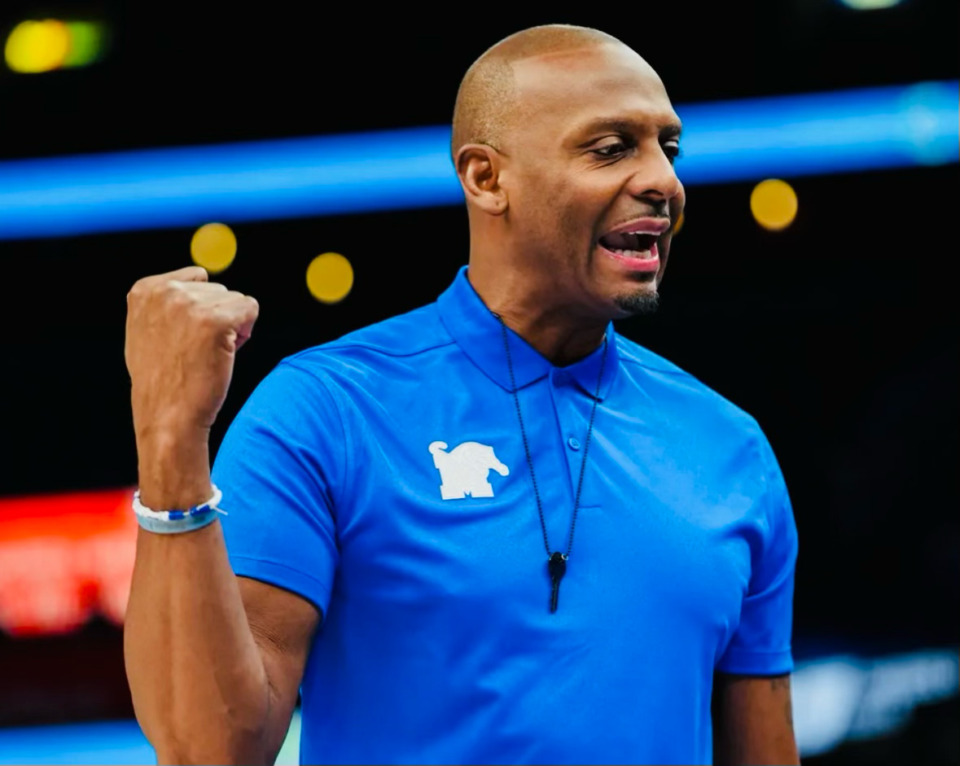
730, 141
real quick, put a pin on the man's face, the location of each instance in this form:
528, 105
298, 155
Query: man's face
589, 173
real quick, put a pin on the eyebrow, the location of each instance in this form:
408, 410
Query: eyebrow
668, 129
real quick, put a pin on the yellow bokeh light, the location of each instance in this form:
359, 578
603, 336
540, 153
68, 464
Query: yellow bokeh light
678, 224
37, 46
329, 277
214, 246
773, 204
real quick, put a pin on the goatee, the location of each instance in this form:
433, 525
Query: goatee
639, 303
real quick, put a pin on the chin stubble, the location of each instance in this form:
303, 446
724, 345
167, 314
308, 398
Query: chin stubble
640, 303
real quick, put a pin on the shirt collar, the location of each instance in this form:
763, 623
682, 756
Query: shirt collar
480, 336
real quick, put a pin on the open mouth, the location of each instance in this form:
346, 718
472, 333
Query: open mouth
636, 244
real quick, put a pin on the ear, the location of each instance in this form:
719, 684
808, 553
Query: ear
478, 167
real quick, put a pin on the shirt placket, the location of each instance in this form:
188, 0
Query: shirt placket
571, 426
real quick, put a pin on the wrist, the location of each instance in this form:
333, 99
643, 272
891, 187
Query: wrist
162, 432
174, 469
180, 520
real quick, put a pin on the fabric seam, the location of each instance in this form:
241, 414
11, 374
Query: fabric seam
299, 574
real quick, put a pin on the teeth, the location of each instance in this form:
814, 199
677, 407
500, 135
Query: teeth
630, 242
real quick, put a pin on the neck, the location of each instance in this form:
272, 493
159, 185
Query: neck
558, 333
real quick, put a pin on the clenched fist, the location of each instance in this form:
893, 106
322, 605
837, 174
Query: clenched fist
183, 333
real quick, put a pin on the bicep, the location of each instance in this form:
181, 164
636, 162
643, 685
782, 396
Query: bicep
283, 625
753, 720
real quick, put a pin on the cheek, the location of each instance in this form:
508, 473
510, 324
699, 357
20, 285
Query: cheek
535, 200
581, 208
557, 214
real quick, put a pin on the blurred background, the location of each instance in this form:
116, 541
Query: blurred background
810, 284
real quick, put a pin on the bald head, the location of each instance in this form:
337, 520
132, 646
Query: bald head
488, 94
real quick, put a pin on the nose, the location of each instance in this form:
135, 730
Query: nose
655, 180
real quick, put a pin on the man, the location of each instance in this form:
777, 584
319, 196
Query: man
487, 531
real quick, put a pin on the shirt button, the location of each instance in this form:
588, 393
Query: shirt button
573, 443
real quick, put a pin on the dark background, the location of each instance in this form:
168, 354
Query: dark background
839, 334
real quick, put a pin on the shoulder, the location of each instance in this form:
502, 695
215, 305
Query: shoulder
314, 388
404, 336
690, 413
680, 393
370, 359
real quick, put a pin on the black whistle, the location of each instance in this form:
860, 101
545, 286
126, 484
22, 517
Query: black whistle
557, 567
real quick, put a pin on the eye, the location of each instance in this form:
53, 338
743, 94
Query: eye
611, 148
672, 150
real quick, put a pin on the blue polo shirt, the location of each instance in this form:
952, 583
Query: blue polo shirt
383, 478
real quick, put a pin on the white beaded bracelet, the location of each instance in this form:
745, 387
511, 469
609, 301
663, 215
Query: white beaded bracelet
176, 521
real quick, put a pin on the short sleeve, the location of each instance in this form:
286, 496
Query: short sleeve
761, 644
280, 467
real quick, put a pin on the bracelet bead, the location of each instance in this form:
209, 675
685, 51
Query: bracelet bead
177, 521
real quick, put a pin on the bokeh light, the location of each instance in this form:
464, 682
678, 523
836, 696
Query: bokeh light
43, 46
86, 43
869, 5
774, 204
329, 277
37, 46
214, 246
678, 224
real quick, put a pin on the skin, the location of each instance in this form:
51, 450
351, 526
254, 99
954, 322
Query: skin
233, 649
592, 147
542, 188
752, 721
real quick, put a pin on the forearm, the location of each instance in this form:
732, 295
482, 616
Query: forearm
198, 681
753, 721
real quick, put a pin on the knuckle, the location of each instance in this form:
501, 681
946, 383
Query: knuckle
178, 293
248, 304
137, 290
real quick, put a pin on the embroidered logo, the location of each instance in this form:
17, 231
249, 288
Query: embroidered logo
464, 469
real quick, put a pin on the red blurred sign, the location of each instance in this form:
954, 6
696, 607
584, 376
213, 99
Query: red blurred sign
64, 558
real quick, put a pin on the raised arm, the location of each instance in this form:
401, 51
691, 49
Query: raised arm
213, 661
753, 721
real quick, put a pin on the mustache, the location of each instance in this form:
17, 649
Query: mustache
659, 209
